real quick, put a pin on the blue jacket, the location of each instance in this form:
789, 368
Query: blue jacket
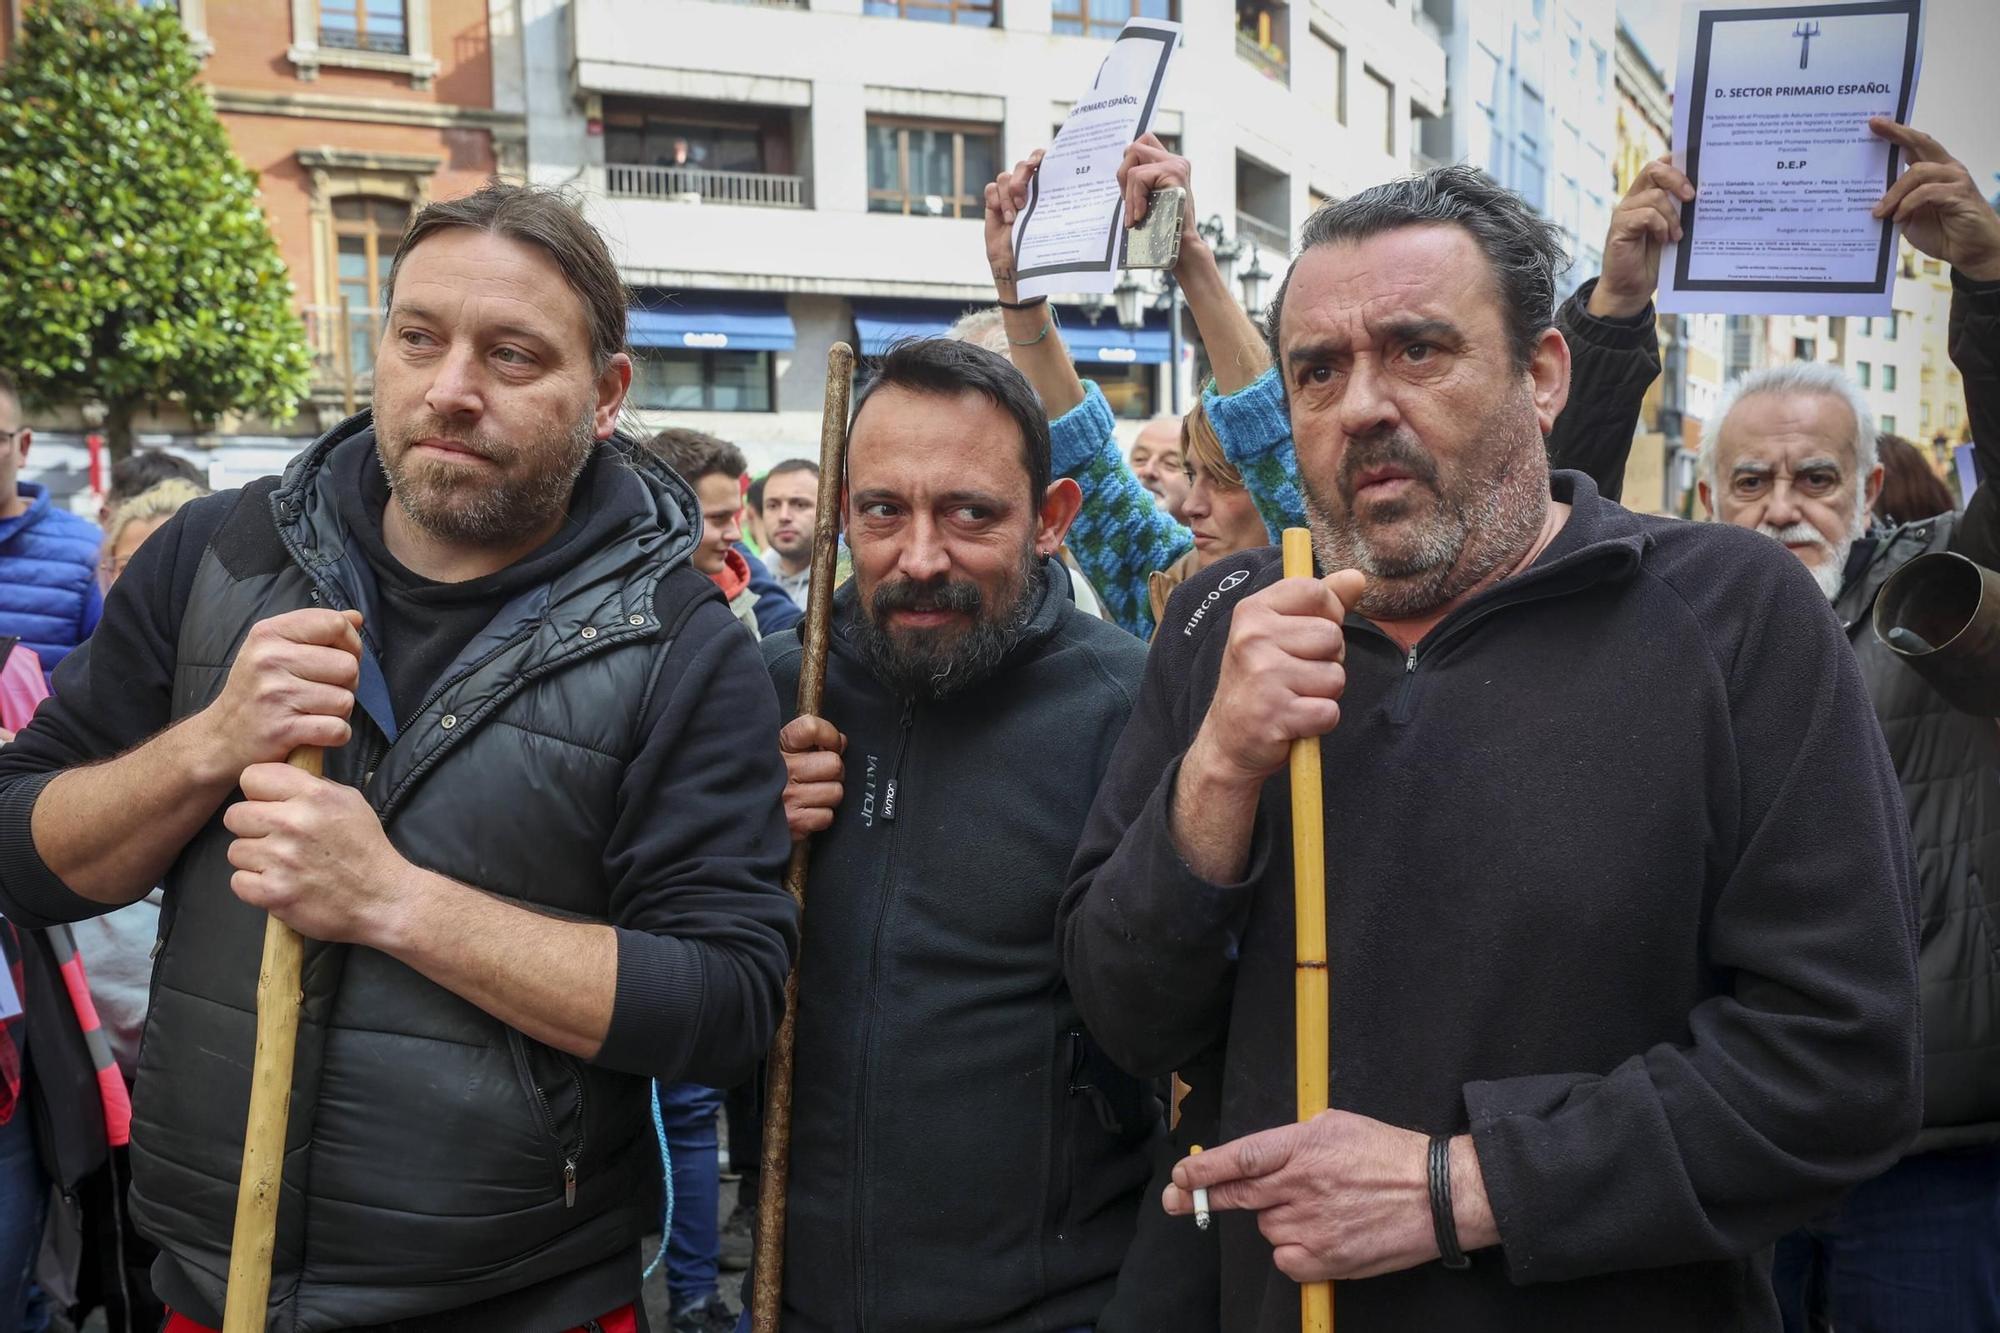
48, 577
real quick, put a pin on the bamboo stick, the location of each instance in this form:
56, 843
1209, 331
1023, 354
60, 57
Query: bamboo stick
766, 1304
1309, 925
255, 1237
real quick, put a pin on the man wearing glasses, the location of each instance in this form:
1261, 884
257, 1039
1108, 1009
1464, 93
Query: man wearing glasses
48, 556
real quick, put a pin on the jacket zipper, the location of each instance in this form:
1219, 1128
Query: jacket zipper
859, 1246
576, 1153
1401, 710
896, 763
549, 1119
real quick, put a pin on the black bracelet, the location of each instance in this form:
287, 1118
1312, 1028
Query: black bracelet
1024, 305
1442, 1221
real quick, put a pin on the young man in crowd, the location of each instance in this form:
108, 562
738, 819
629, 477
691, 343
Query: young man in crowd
541, 870
715, 469
963, 1156
790, 507
1594, 1051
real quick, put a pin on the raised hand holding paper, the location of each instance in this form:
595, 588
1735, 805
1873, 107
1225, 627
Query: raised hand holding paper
1066, 239
1771, 108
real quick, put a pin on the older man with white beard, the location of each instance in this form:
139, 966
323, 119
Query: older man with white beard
1610, 1010
1792, 454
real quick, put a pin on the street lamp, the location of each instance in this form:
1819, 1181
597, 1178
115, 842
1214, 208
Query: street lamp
1225, 250
1253, 280
1129, 295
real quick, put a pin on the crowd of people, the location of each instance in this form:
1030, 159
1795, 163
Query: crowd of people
1663, 856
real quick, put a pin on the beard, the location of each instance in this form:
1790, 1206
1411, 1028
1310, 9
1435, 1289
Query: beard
1831, 572
1451, 530
935, 664
529, 486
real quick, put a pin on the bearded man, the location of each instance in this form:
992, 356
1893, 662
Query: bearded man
963, 1155
1611, 1011
1794, 455
542, 868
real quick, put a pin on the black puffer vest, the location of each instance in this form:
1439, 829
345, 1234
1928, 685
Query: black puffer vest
435, 1158
1949, 766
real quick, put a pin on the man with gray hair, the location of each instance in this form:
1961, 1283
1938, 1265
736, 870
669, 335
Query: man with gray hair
1792, 454
1610, 1013
1799, 445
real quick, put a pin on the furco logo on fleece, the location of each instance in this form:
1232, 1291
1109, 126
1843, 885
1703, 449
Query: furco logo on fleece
1235, 580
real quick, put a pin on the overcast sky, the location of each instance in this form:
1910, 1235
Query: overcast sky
1955, 98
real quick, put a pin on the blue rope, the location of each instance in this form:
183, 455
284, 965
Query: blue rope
667, 1175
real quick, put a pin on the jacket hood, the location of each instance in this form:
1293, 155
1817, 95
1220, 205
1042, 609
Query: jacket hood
640, 524
734, 576
658, 520
37, 496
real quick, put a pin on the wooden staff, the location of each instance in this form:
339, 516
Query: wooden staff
1309, 927
766, 1302
257, 1190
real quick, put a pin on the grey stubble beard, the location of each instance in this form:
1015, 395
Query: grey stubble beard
1475, 530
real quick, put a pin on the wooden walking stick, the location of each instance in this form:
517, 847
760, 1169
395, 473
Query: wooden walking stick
766, 1297
256, 1234
1309, 926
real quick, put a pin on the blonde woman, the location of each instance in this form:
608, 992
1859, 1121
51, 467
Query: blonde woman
137, 519
1219, 511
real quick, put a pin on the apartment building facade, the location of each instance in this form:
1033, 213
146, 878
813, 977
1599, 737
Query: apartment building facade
353, 114
778, 176
1533, 102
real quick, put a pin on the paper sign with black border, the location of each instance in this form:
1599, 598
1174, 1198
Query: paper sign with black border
1706, 33
1166, 39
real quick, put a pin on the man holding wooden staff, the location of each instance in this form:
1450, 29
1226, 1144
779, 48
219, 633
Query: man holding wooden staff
1610, 1011
542, 867
963, 1156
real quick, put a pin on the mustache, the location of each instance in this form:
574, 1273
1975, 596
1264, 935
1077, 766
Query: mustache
430, 428
1795, 532
939, 594
1387, 448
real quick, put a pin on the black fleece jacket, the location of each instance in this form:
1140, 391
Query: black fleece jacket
1619, 882
963, 1155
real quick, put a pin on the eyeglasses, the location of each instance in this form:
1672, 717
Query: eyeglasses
111, 566
8, 435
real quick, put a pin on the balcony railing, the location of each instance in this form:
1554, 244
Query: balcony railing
693, 185
1269, 59
394, 42
1269, 235
343, 342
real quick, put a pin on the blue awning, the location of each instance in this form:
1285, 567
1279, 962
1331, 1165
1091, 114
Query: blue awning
712, 321
1109, 341
881, 323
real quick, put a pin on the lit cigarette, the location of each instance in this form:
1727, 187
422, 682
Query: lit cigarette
1200, 1195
